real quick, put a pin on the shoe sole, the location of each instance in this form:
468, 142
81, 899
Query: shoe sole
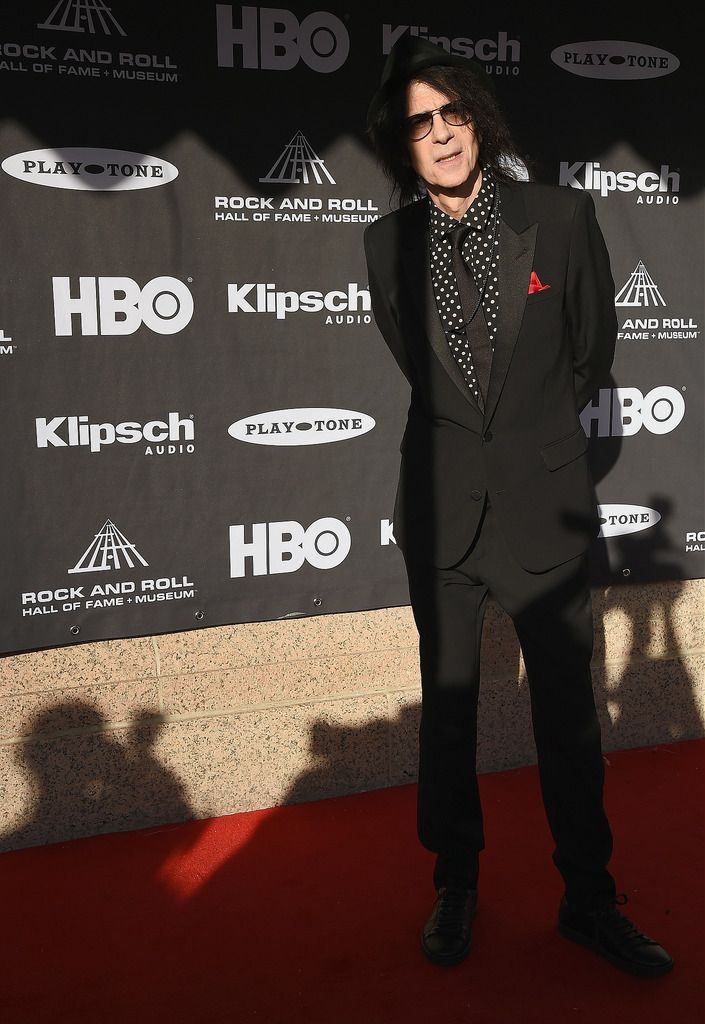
642, 970
446, 961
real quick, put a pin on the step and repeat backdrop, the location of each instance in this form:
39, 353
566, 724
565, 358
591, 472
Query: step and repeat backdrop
200, 422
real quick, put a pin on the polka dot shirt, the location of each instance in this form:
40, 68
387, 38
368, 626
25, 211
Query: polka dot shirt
481, 254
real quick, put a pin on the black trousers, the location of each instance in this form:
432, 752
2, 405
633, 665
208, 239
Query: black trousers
552, 615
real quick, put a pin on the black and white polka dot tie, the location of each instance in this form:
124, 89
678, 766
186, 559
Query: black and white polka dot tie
480, 256
478, 341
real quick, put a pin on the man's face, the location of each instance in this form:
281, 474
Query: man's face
447, 158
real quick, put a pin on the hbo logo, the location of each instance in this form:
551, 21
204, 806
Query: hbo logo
620, 412
280, 41
284, 547
165, 305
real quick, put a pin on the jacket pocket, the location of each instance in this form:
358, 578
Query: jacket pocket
560, 453
536, 298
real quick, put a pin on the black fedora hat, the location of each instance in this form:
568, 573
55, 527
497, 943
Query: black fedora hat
410, 55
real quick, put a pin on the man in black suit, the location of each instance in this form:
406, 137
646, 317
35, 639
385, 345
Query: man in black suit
496, 299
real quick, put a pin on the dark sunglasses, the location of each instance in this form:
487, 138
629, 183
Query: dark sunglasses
454, 114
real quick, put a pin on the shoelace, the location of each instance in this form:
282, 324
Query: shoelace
451, 911
619, 923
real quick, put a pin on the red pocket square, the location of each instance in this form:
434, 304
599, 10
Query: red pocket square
535, 285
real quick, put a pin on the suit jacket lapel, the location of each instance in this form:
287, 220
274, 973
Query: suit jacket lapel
417, 269
517, 241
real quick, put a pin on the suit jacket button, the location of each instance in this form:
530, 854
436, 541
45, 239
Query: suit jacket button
488, 436
475, 495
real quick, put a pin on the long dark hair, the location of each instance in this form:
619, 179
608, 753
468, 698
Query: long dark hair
497, 149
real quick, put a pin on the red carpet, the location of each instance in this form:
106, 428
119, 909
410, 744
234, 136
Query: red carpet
310, 914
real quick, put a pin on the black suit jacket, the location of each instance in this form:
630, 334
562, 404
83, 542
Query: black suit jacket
553, 350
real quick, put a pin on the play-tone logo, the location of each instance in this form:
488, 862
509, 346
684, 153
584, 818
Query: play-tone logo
618, 520
290, 427
614, 58
89, 169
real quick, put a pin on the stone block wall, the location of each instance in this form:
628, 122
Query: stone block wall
125, 734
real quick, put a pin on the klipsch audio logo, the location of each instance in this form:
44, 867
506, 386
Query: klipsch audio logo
640, 291
273, 39
341, 307
172, 436
614, 58
85, 42
289, 427
386, 532
90, 170
652, 188
82, 16
118, 305
618, 520
285, 546
109, 551
500, 55
622, 412
297, 164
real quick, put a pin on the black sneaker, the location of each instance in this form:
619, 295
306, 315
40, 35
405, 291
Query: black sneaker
445, 938
615, 937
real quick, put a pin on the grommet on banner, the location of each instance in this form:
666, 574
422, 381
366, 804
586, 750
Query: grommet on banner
75, 630
199, 615
626, 572
318, 602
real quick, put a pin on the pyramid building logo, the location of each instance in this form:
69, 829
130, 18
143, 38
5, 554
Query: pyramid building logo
109, 549
297, 163
640, 290
82, 16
